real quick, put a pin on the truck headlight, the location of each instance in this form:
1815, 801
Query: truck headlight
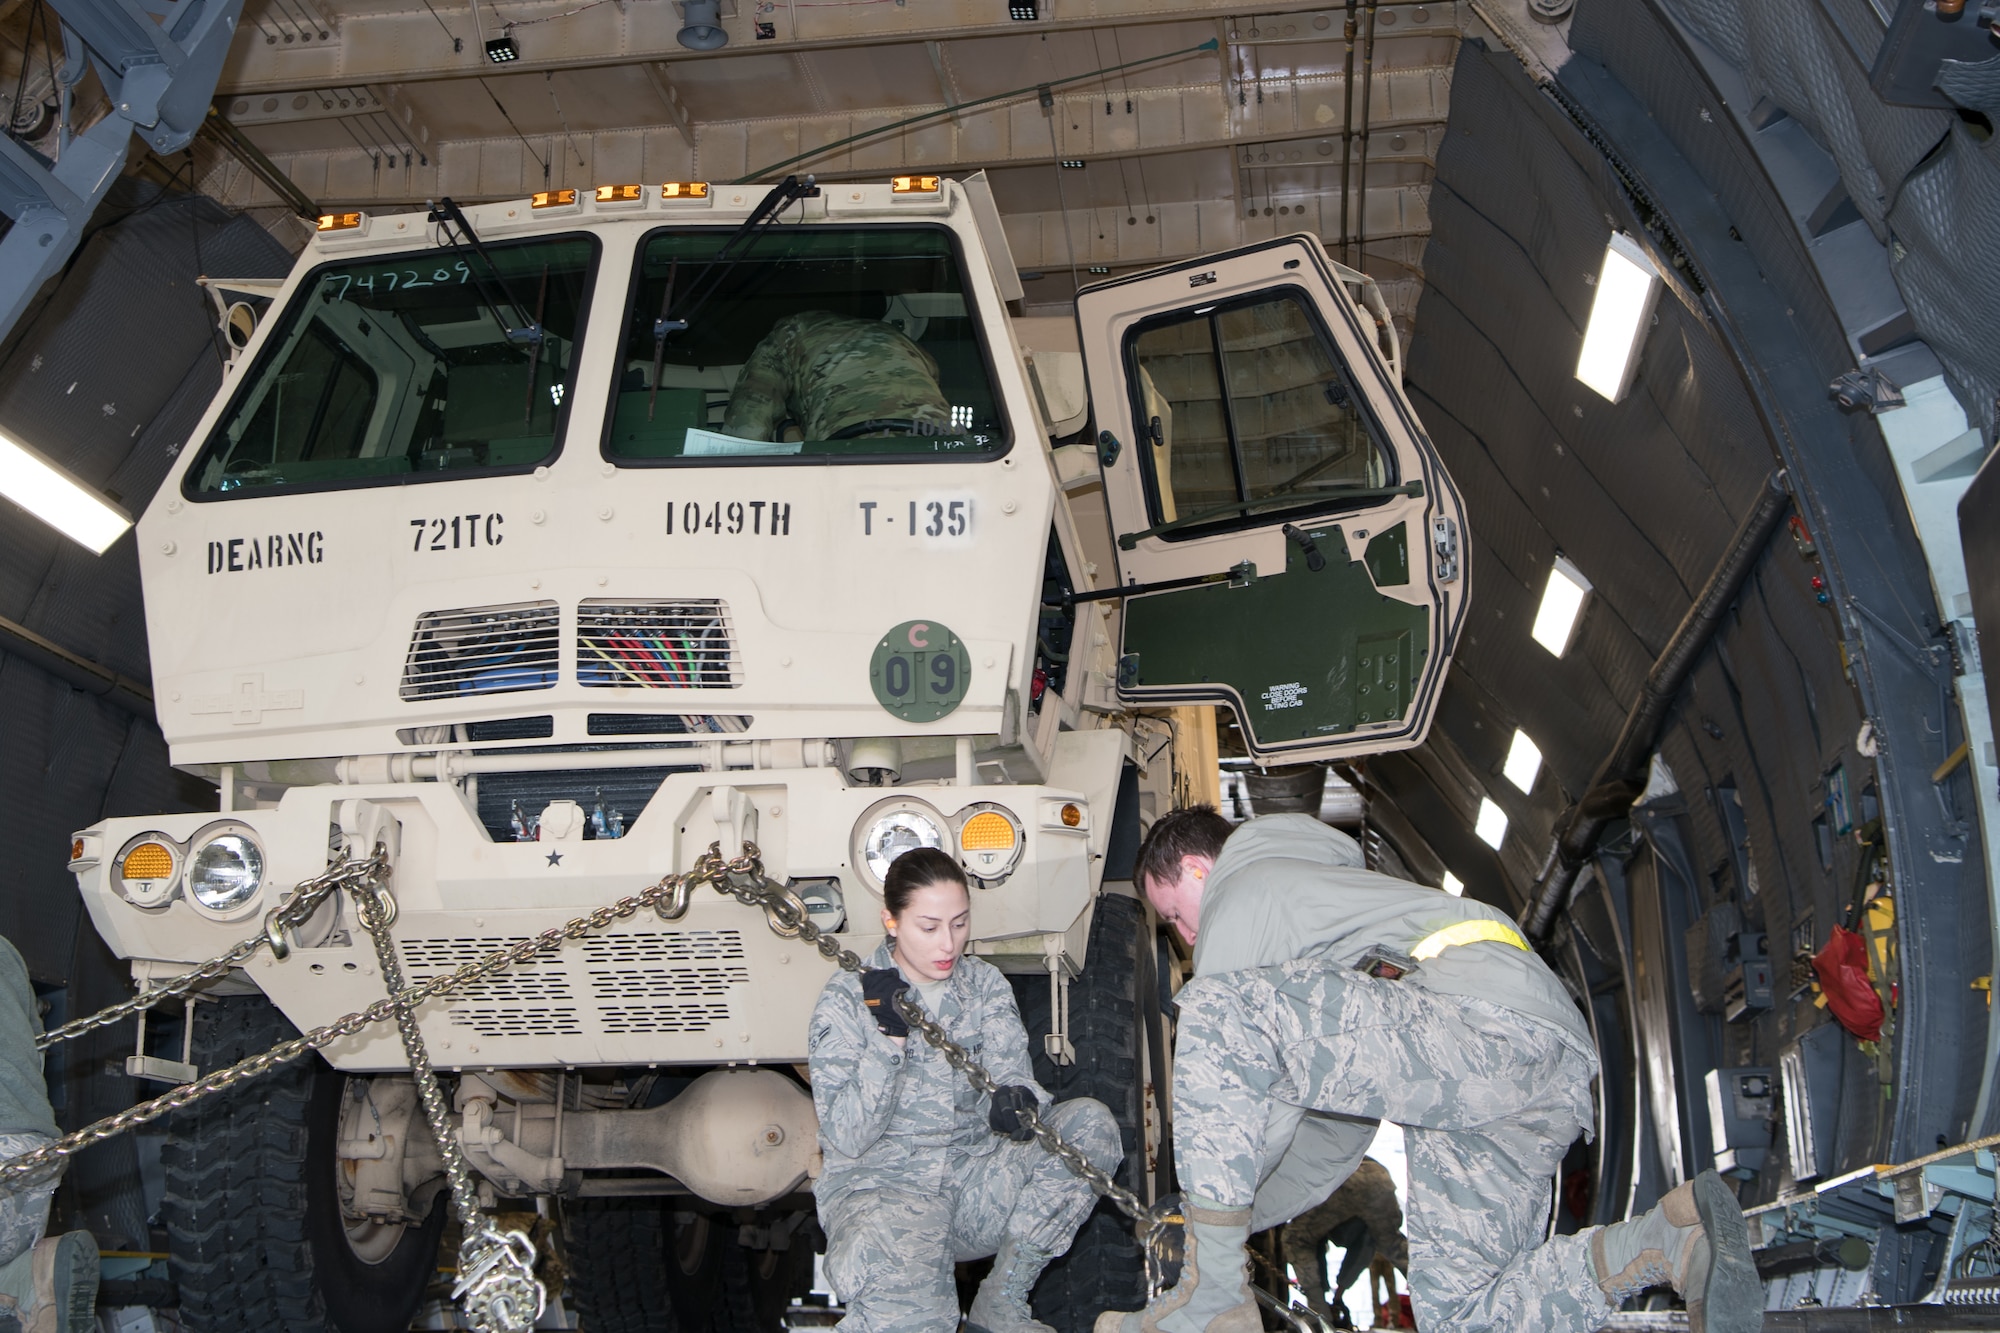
149, 870
225, 871
889, 829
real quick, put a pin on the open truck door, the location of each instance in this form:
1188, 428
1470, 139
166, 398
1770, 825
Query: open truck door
1286, 533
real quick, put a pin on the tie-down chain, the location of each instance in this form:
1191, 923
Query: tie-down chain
496, 1287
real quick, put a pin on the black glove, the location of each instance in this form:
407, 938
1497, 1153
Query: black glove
1004, 1117
879, 988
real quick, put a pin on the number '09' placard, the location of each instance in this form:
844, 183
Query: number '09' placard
920, 671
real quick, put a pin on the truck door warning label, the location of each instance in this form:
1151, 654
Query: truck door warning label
1289, 695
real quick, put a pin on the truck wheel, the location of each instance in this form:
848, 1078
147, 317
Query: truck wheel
1108, 1008
721, 1287
758, 1286
255, 1237
616, 1251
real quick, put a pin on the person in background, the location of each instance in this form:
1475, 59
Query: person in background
923, 1170
1363, 1218
47, 1285
1327, 998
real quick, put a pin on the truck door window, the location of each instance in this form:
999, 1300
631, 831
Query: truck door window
396, 368
1243, 406
845, 343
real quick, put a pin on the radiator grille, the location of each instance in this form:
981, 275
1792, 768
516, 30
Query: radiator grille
664, 950
657, 645
663, 983
482, 650
530, 999
639, 984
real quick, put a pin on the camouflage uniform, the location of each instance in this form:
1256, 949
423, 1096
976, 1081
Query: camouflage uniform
915, 1181
1366, 1198
26, 1120
1287, 1055
827, 372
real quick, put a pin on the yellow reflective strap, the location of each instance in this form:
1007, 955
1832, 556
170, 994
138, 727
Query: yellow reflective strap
1467, 932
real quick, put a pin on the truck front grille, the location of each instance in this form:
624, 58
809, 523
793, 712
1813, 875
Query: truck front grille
530, 999
657, 645
482, 650
638, 984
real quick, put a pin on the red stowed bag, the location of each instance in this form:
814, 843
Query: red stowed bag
1842, 967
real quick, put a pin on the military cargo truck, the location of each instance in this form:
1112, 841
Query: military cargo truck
547, 543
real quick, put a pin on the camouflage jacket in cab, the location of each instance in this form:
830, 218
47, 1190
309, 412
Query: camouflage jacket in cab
897, 1117
828, 372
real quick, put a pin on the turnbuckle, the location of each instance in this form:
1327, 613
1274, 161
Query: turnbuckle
497, 1288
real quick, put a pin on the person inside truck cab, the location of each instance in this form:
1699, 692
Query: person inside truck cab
922, 1169
837, 378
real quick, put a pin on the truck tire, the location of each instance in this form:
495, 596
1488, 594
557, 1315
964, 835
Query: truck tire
759, 1286
616, 1254
1108, 1009
255, 1239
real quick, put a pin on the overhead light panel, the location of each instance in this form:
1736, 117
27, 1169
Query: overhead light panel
1023, 9
1524, 762
1627, 287
1453, 885
502, 51
1492, 825
1562, 606
68, 506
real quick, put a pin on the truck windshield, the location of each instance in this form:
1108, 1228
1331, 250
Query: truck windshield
401, 368
808, 342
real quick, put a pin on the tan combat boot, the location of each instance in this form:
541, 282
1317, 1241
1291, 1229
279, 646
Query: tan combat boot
1002, 1303
1696, 1242
1213, 1295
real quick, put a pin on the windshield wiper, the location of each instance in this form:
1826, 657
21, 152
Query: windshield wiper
449, 215
709, 280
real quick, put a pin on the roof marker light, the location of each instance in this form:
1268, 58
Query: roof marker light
913, 185
1562, 607
1524, 762
339, 221
1627, 288
1492, 825
684, 191
552, 198
52, 496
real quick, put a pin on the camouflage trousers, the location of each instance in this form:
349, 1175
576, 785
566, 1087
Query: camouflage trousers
890, 1251
1489, 1100
24, 1216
